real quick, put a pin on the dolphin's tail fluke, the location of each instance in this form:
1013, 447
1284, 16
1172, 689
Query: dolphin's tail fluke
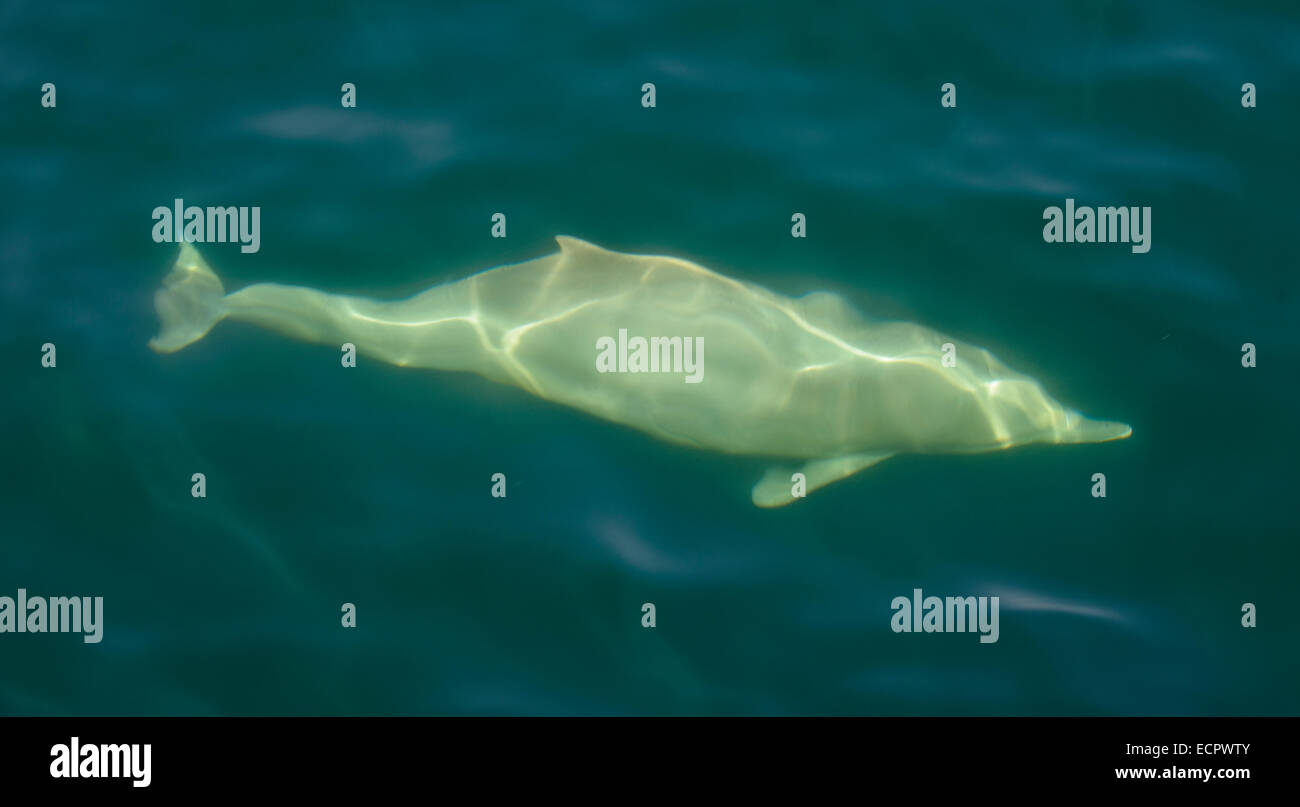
189, 303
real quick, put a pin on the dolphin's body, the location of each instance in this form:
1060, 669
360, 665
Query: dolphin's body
798, 378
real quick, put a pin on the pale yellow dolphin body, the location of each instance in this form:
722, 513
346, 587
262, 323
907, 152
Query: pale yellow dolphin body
804, 378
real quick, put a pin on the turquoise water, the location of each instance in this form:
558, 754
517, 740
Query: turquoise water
371, 486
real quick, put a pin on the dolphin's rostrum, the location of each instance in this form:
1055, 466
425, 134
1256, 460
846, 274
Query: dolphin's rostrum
803, 378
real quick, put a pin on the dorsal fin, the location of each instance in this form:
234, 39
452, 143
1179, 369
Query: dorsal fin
825, 306
575, 247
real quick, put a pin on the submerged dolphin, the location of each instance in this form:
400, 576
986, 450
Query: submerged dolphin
799, 378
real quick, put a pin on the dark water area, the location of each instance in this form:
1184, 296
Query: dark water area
371, 486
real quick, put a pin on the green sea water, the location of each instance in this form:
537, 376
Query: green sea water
371, 486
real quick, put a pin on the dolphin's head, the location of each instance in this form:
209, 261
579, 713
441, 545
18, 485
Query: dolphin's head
1057, 425
1021, 412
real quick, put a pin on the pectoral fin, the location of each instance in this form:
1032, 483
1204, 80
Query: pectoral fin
775, 488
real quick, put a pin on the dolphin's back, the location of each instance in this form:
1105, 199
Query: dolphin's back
781, 375
548, 333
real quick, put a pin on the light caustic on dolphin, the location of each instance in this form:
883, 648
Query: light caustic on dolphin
804, 379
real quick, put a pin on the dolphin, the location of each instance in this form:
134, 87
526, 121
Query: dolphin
804, 379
